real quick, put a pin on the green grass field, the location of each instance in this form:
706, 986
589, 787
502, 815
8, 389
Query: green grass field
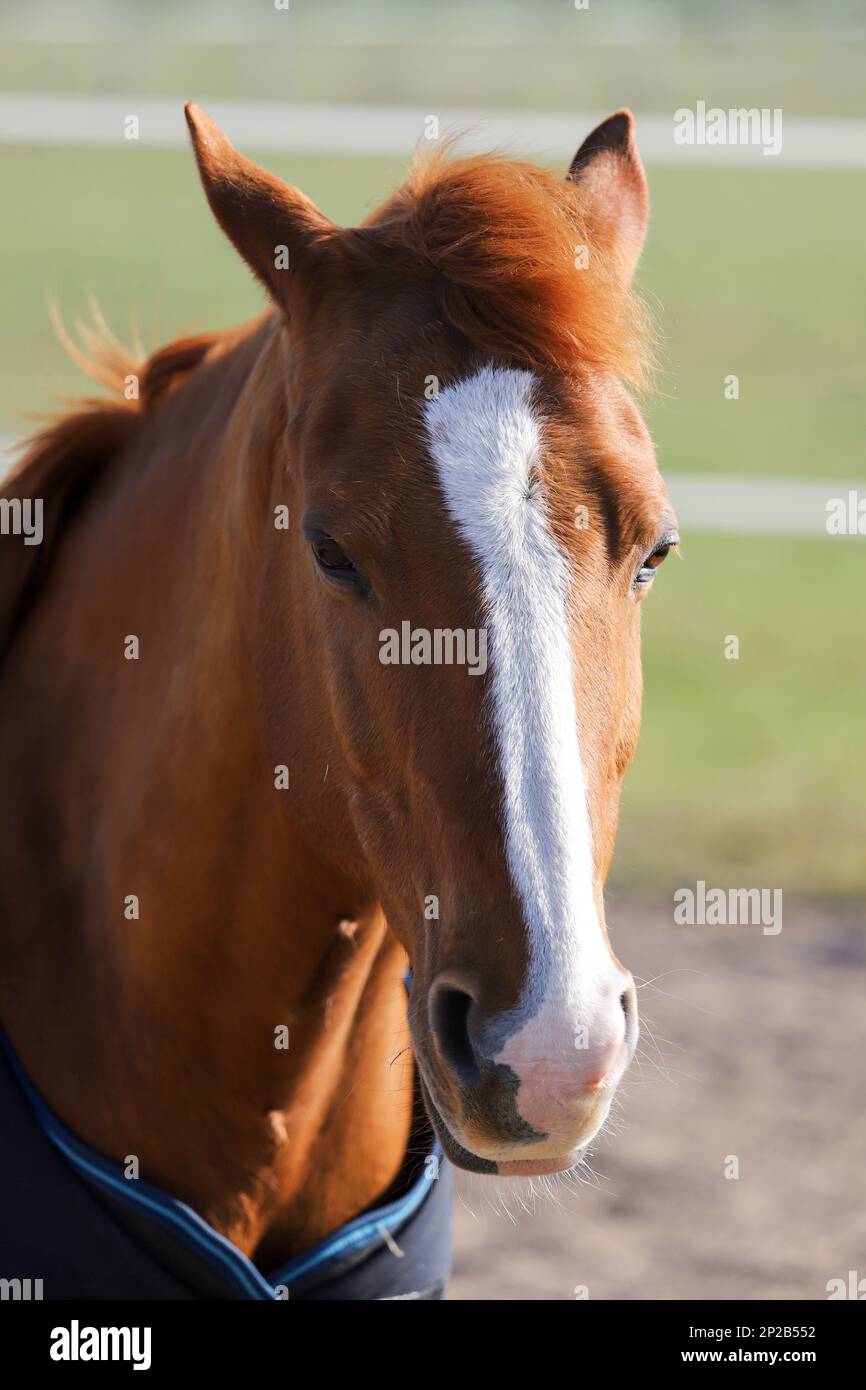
451, 56
750, 772
752, 273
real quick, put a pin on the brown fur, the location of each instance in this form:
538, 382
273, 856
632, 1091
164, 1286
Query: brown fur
262, 907
499, 238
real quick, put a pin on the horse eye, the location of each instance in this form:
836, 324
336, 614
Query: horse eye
329, 555
645, 574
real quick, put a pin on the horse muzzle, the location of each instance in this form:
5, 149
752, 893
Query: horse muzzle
522, 1096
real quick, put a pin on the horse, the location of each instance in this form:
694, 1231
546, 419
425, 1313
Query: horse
328, 663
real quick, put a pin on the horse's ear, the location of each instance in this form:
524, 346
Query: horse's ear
282, 236
609, 175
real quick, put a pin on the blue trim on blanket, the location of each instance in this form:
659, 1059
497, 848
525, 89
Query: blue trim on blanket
357, 1237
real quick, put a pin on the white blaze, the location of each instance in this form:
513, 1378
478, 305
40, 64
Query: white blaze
484, 436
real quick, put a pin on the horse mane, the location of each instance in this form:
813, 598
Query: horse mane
501, 238
63, 461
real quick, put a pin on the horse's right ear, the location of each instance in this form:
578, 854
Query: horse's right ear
281, 235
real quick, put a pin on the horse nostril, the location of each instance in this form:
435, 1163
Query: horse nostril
449, 1016
628, 1003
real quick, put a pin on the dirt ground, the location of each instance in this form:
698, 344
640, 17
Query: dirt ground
759, 1053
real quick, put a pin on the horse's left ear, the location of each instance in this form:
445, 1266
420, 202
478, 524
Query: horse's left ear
609, 175
280, 233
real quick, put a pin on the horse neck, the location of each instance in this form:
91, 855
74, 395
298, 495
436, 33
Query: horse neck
222, 1019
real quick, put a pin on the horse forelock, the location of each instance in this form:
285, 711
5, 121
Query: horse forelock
517, 261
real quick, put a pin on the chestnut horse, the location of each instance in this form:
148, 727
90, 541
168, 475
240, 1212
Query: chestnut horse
247, 770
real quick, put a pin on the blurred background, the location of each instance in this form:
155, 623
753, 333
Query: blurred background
751, 771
